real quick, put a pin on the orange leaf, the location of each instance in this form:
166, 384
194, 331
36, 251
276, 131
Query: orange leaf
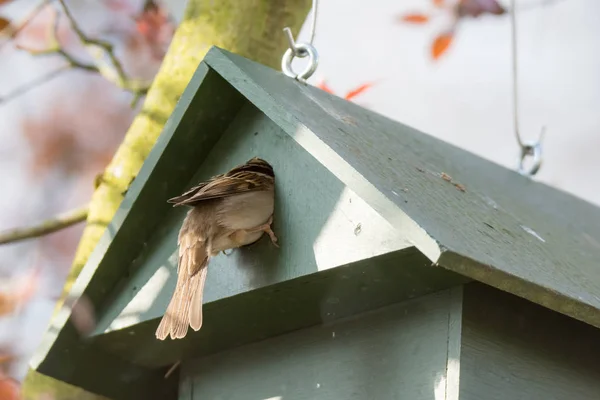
415, 18
9, 389
9, 301
4, 1
355, 92
323, 86
441, 44
6, 358
438, 3
4, 23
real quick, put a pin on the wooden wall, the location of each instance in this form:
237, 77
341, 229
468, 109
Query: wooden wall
517, 350
469, 343
397, 352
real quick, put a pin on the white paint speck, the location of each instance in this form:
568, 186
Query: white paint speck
533, 233
318, 385
333, 335
490, 202
396, 193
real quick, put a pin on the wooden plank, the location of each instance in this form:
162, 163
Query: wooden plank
100, 372
514, 349
455, 317
320, 297
487, 222
396, 352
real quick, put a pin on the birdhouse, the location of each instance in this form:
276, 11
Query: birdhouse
407, 269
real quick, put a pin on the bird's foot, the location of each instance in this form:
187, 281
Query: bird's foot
266, 227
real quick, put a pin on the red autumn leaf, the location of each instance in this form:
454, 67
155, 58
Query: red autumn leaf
355, 92
323, 86
9, 389
4, 1
350, 95
415, 18
156, 27
441, 44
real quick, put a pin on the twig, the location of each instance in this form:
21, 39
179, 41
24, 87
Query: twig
172, 369
122, 80
57, 223
137, 88
33, 84
56, 48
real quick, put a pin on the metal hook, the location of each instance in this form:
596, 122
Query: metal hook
301, 50
533, 149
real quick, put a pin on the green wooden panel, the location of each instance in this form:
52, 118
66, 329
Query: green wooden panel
502, 229
320, 297
514, 349
398, 352
99, 371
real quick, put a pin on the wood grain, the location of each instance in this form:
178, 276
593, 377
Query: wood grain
397, 352
515, 349
486, 221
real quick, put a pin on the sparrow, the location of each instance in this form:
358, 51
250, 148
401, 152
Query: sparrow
227, 211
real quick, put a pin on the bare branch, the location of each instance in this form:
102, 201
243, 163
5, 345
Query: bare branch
121, 80
33, 84
56, 48
55, 224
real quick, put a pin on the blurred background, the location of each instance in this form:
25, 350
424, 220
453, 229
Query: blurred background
443, 67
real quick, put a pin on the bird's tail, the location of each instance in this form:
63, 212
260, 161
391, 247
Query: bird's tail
185, 308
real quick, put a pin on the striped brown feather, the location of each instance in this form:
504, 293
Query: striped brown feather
256, 174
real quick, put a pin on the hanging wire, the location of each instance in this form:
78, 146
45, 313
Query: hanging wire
301, 50
528, 148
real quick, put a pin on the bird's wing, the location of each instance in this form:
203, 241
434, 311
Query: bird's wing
224, 186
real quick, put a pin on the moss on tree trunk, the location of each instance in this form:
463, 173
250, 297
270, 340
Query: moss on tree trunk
251, 28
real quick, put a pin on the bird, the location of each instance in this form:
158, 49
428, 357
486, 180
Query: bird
227, 211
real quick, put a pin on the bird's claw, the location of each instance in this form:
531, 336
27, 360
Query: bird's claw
266, 227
